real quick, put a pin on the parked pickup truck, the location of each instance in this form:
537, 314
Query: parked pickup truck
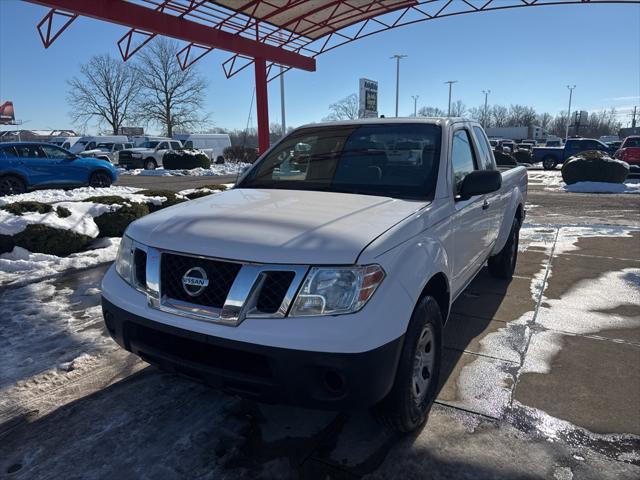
552, 156
327, 286
149, 155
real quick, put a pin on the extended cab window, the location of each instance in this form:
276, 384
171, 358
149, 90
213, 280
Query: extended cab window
485, 149
392, 160
462, 157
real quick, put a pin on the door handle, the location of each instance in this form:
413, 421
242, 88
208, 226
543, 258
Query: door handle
485, 205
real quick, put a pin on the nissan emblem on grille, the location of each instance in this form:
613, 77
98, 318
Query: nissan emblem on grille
194, 281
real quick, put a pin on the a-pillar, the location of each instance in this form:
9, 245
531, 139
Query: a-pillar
262, 104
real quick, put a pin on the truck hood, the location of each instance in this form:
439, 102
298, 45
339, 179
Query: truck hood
274, 226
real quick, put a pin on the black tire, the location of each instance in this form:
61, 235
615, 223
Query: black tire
405, 408
11, 185
150, 164
549, 162
100, 179
503, 264
220, 160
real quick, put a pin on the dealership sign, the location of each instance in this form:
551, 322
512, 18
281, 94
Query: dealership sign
368, 98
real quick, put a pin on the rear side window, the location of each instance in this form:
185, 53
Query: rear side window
462, 158
175, 145
29, 151
485, 149
55, 152
8, 152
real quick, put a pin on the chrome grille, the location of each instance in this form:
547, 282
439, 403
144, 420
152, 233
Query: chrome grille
234, 291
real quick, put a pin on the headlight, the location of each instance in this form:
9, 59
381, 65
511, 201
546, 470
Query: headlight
336, 290
124, 260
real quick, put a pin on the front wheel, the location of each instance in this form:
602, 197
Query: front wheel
100, 180
503, 264
406, 406
549, 163
150, 164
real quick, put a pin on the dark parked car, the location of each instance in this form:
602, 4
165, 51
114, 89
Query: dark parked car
552, 156
26, 166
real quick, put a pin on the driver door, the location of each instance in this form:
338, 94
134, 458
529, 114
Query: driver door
471, 221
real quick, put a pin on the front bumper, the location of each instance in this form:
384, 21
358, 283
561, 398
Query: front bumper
131, 162
334, 381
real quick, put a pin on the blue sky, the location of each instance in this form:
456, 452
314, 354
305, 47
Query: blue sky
525, 56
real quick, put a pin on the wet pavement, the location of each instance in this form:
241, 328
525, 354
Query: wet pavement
541, 379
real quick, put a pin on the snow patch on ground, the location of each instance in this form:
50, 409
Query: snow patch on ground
630, 186
215, 170
21, 266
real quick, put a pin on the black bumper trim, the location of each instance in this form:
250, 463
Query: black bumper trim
333, 381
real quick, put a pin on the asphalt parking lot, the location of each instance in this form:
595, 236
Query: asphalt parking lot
541, 377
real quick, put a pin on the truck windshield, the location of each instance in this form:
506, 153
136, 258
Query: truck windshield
391, 160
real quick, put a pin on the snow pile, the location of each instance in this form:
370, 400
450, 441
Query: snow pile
75, 195
21, 266
215, 170
630, 186
80, 220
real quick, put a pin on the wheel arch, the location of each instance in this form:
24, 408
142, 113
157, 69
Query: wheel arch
14, 173
438, 287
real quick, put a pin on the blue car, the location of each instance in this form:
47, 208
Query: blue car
27, 166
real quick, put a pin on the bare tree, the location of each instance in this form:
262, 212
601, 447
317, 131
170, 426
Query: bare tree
544, 120
521, 116
458, 109
345, 109
105, 92
427, 111
499, 116
171, 97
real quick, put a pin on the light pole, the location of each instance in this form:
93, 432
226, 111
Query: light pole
415, 104
486, 96
398, 58
569, 111
450, 82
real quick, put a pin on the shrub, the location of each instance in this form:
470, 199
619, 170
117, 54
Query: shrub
113, 224
185, 159
522, 156
6, 243
40, 238
504, 159
63, 212
18, 208
239, 153
171, 199
107, 200
215, 186
594, 166
198, 194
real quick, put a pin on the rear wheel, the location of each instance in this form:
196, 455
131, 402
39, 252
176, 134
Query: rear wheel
549, 162
11, 185
150, 164
503, 264
100, 179
406, 406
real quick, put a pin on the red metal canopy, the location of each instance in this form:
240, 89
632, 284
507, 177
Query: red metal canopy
290, 33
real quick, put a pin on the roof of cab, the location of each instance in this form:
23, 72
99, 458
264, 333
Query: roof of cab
391, 120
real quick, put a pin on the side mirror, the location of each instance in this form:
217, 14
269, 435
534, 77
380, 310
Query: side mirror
480, 182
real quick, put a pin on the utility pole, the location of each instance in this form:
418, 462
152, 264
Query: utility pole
450, 82
398, 58
282, 114
415, 104
569, 111
633, 118
486, 96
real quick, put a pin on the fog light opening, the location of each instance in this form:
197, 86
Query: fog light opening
334, 381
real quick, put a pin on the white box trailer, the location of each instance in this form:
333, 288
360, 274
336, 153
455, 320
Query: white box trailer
531, 132
213, 143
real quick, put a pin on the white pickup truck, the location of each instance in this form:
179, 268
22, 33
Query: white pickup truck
324, 278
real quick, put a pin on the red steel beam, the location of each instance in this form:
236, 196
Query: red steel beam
143, 18
262, 104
